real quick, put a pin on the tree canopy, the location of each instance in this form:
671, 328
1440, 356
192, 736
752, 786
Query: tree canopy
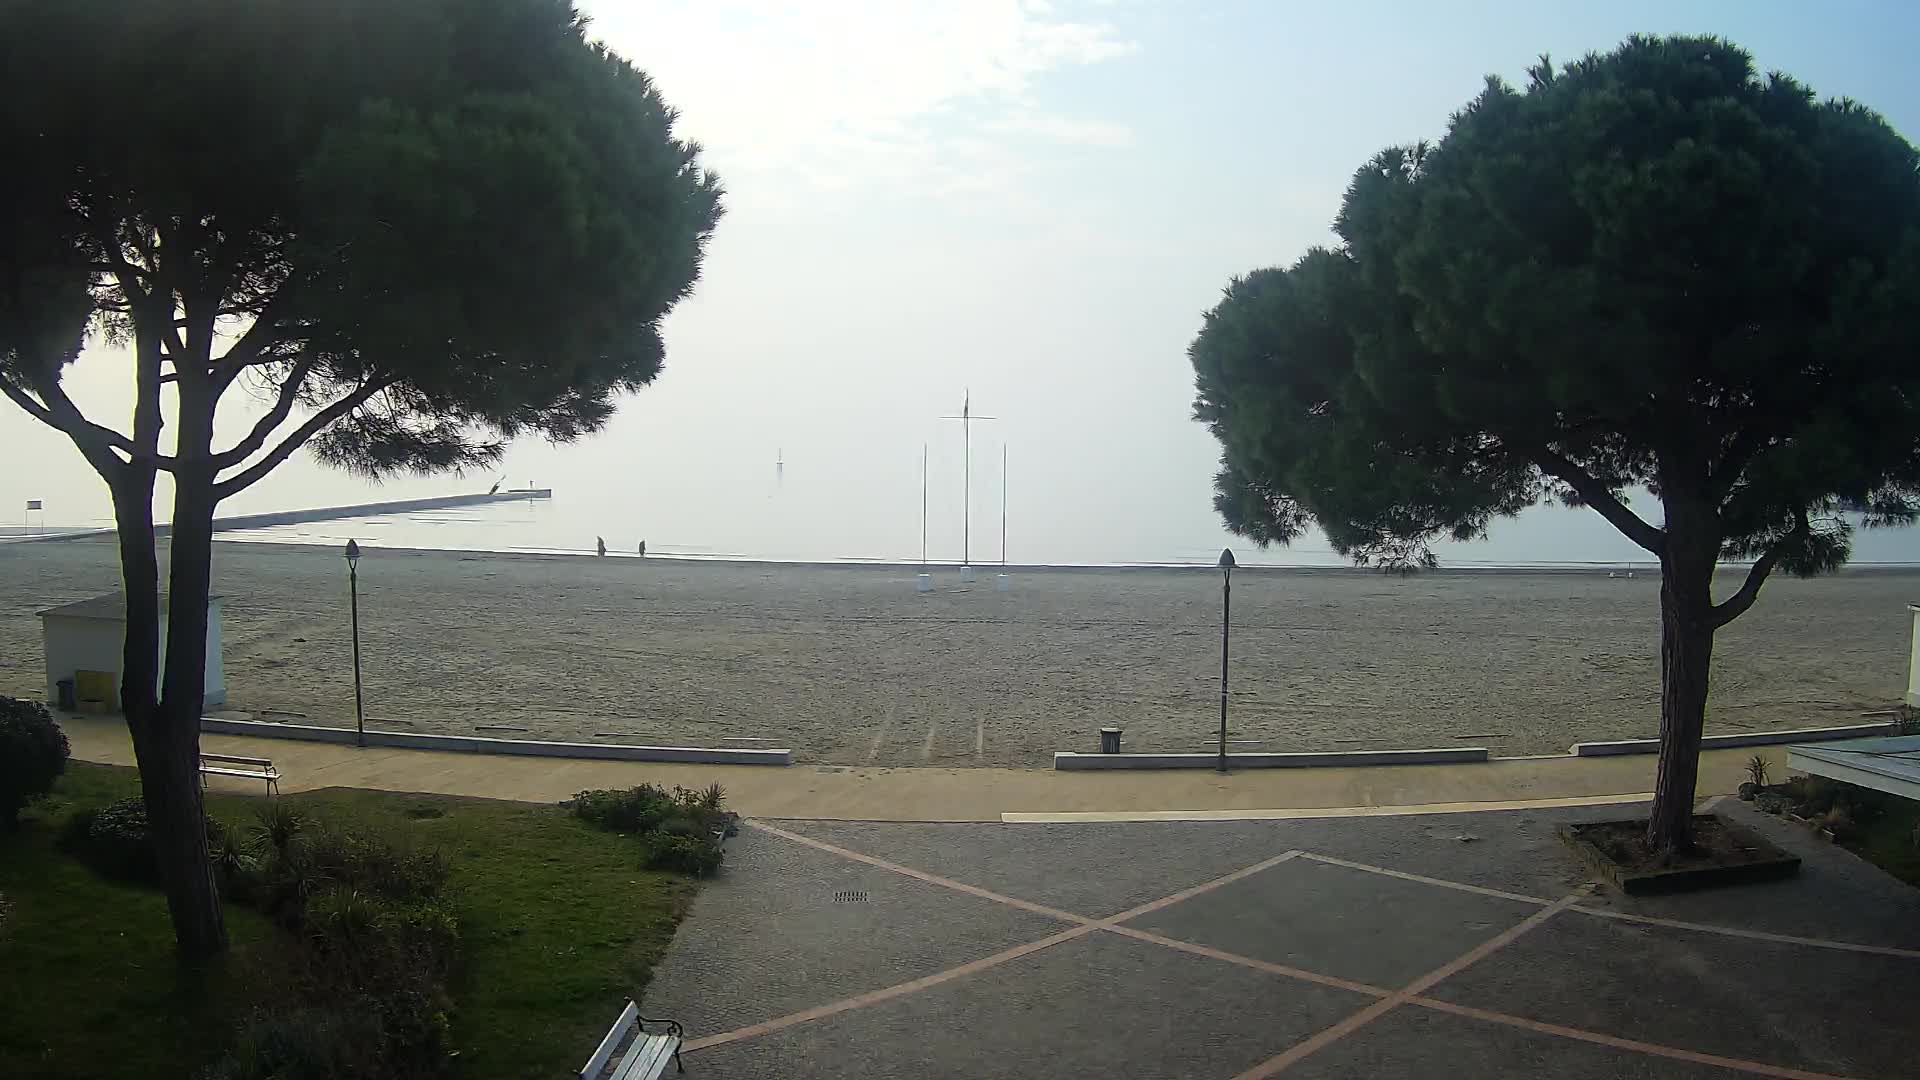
417, 228
425, 226
1650, 269
1653, 267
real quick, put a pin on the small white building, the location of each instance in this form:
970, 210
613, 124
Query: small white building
1913, 661
90, 636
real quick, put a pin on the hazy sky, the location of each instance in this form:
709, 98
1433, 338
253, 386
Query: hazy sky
1035, 201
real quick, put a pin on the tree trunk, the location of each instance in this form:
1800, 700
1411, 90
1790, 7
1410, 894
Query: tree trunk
1686, 657
168, 752
192, 893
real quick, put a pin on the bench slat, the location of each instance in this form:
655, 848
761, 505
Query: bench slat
240, 772
629, 1018
237, 760
648, 1058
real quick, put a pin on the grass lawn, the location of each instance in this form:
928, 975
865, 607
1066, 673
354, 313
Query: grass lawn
1889, 841
559, 926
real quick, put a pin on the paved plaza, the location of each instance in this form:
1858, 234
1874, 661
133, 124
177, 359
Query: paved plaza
1469, 945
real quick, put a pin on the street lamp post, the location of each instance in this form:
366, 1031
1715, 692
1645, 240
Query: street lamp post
353, 594
1226, 622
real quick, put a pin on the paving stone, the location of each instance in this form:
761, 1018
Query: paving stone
1808, 1008
1092, 1008
1878, 910
768, 937
1094, 869
1337, 921
1417, 1044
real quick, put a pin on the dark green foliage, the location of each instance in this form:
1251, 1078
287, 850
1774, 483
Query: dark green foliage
320, 861
117, 840
678, 831
1653, 269
632, 810
686, 852
303, 1044
465, 203
113, 840
280, 823
33, 754
415, 228
379, 946
526, 993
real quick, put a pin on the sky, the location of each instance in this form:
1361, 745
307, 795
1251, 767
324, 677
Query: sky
1029, 202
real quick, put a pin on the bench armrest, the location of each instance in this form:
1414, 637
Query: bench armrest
672, 1026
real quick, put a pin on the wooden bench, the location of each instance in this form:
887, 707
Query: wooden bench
247, 768
630, 1052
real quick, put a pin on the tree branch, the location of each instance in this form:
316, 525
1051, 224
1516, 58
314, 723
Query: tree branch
1597, 495
247, 350
1736, 605
265, 427
97, 451
1745, 445
315, 424
94, 440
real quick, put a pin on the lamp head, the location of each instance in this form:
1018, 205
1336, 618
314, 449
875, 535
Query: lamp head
353, 553
1226, 558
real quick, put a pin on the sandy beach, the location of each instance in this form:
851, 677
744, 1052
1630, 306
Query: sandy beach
848, 665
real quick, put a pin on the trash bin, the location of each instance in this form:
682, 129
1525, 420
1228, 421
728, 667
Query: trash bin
68, 701
1109, 740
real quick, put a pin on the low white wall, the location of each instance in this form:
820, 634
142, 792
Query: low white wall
473, 744
1748, 738
1065, 761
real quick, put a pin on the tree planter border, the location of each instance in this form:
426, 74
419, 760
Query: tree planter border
1770, 864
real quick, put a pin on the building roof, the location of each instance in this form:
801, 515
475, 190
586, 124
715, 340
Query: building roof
1890, 764
111, 607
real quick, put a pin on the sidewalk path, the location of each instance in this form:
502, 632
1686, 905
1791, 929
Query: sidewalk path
833, 792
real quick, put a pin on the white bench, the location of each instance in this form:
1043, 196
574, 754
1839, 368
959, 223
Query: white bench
630, 1052
247, 768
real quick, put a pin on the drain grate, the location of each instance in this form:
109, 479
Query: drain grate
850, 896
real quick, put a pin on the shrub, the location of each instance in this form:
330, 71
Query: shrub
1840, 823
1757, 769
318, 860
280, 822
376, 945
695, 855
236, 863
634, 810
305, 1044
33, 753
113, 839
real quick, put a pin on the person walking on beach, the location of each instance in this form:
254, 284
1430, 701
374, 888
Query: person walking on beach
600, 545
643, 549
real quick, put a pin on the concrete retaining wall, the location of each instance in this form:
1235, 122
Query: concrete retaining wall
1749, 738
473, 744
1451, 755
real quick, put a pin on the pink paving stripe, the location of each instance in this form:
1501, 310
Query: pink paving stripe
1410, 995
1758, 1068
920, 875
1286, 1058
